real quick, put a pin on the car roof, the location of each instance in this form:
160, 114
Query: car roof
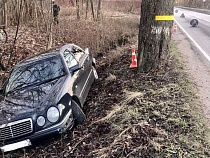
44, 55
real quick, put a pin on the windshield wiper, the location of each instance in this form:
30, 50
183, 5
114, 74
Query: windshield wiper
19, 87
16, 88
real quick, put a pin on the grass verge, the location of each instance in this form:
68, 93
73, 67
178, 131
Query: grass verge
159, 117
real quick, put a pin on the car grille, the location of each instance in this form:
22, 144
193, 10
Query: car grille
15, 129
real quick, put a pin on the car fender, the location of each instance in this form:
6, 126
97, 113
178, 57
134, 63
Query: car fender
65, 102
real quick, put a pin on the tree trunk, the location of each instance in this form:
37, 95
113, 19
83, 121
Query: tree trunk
1, 12
99, 9
72, 3
16, 34
87, 7
154, 36
50, 26
82, 10
77, 9
36, 15
5, 13
92, 8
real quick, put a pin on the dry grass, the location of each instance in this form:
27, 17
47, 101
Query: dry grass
156, 123
99, 36
128, 6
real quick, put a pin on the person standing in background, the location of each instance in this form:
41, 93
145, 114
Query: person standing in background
56, 10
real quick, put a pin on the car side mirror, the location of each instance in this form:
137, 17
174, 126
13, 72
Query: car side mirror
76, 68
87, 50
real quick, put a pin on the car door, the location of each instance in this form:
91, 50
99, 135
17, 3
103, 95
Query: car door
87, 70
76, 59
87, 73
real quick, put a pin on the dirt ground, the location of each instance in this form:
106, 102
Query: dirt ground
198, 69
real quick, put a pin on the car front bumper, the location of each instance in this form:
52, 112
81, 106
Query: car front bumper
35, 137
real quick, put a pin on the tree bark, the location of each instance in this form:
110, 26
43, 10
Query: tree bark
16, 33
87, 7
1, 12
5, 13
72, 3
92, 8
77, 9
36, 15
154, 36
82, 8
50, 26
99, 10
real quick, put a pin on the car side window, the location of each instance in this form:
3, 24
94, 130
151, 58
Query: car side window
78, 53
70, 59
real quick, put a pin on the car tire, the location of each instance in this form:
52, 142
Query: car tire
95, 73
77, 113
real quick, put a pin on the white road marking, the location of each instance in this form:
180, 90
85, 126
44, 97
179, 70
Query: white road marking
196, 44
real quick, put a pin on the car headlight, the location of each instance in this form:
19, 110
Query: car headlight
41, 121
53, 114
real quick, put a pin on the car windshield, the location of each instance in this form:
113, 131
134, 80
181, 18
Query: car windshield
37, 72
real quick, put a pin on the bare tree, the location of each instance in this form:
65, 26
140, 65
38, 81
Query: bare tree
20, 8
71, 2
99, 10
92, 8
49, 23
82, 7
5, 13
87, 7
1, 12
77, 9
154, 36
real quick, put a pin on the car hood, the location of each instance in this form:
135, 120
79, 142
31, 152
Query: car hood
30, 99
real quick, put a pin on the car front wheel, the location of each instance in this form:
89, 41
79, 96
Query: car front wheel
77, 113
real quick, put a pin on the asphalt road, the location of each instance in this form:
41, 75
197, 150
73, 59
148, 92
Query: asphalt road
200, 35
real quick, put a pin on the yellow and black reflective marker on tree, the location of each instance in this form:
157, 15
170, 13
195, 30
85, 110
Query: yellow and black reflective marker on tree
164, 17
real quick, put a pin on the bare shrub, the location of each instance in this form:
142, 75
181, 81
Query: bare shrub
128, 6
99, 36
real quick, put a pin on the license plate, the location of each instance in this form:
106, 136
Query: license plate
15, 146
